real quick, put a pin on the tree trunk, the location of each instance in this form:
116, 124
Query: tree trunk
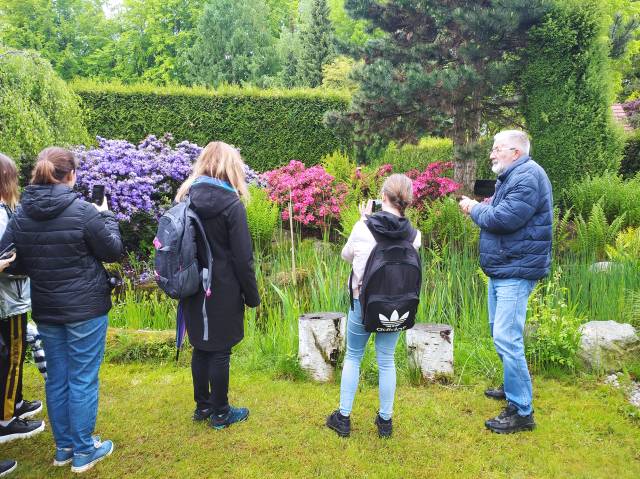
464, 172
466, 132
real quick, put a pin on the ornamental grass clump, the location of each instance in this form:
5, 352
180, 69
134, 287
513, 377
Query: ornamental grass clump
315, 195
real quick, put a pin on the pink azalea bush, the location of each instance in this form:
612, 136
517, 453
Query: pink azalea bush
316, 196
431, 184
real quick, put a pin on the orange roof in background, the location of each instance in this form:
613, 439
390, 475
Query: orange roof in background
620, 116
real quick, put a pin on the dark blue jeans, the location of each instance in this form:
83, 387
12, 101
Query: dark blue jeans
74, 354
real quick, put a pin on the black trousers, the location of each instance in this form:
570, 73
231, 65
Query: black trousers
210, 370
14, 334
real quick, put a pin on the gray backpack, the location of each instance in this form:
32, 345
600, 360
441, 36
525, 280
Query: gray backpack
176, 263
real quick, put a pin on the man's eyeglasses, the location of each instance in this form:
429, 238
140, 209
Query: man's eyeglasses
498, 149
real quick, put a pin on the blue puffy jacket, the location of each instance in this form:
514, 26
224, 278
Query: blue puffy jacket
516, 228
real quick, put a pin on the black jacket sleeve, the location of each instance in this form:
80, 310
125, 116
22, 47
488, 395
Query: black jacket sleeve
242, 253
102, 234
15, 268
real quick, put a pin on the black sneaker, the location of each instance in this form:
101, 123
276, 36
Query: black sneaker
385, 426
202, 414
28, 409
496, 393
339, 423
510, 421
7, 466
20, 429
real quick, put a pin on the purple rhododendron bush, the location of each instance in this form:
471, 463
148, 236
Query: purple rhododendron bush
137, 179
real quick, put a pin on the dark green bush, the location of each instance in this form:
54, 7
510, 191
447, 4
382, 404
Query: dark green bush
37, 109
270, 127
567, 93
630, 165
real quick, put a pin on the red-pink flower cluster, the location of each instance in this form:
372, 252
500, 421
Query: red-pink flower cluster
316, 196
430, 184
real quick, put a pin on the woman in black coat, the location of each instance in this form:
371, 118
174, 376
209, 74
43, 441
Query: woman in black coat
214, 189
61, 242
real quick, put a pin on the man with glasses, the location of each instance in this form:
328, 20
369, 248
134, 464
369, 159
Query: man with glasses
515, 252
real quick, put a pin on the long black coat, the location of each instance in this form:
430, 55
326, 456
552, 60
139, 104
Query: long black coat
61, 241
233, 282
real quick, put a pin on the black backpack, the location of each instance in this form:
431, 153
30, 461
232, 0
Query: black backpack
390, 291
176, 263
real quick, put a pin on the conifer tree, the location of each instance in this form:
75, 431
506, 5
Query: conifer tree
317, 45
441, 68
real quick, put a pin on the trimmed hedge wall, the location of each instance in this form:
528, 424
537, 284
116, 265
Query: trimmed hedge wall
270, 127
567, 94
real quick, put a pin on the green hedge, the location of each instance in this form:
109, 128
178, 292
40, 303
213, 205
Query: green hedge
37, 109
270, 127
567, 94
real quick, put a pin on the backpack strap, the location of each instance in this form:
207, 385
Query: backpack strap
208, 275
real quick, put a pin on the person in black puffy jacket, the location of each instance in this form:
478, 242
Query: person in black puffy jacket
61, 242
214, 189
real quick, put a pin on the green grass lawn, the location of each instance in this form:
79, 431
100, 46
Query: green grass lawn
583, 431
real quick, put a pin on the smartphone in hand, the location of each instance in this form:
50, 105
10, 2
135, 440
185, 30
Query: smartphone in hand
376, 206
97, 194
8, 252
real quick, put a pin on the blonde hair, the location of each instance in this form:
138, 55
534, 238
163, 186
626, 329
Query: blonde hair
53, 166
218, 160
399, 191
9, 192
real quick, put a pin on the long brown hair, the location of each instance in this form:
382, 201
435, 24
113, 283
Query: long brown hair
9, 192
218, 160
53, 166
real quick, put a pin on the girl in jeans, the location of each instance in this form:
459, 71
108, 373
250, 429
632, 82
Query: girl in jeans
397, 194
61, 242
214, 190
15, 302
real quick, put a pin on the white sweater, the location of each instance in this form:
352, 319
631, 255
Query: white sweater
358, 249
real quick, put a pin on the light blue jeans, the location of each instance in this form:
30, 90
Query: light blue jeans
357, 339
507, 314
74, 354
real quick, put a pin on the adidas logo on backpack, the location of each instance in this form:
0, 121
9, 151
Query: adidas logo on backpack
390, 290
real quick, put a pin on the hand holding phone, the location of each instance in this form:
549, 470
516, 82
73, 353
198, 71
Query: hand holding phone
98, 198
6, 262
366, 208
376, 205
8, 252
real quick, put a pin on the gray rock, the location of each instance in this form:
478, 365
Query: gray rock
608, 345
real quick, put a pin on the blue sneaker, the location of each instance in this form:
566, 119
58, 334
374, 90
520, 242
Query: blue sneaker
64, 455
235, 414
84, 462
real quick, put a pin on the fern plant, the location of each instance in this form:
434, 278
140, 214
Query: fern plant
444, 224
627, 246
262, 216
339, 165
615, 196
595, 233
561, 230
